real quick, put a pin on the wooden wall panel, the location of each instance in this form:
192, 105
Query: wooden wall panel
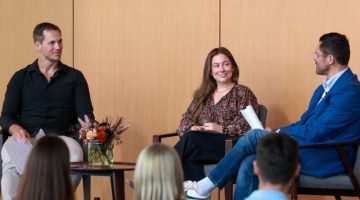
17, 21
143, 60
274, 42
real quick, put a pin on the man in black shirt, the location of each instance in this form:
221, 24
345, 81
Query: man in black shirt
44, 97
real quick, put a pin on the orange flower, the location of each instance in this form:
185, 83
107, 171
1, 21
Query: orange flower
101, 136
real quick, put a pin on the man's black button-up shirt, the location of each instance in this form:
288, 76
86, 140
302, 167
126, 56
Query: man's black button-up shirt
33, 102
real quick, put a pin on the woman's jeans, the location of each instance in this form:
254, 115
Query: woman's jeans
239, 161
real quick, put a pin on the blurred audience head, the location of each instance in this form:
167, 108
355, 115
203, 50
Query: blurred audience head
276, 159
158, 174
47, 172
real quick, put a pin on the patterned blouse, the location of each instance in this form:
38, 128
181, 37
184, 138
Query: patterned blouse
226, 112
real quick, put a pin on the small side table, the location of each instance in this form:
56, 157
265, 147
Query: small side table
116, 173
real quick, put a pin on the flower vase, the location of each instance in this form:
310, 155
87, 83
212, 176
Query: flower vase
100, 154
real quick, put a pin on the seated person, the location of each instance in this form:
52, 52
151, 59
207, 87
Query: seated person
215, 109
333, 116
47, 172
158, 174
46, 96
275, 165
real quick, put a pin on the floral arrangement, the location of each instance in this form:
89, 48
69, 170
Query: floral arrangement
101, 138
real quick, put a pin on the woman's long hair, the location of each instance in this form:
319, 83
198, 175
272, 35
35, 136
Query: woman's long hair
158, 174
47, 172
208, 85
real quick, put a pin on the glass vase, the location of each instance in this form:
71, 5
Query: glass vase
100, 154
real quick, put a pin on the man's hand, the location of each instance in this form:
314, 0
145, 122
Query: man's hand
19, 133
213, 127
268, 129
272, 130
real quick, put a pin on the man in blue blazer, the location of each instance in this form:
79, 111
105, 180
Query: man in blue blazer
333, 116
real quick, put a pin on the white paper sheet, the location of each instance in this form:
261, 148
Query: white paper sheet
251, 118
18, 152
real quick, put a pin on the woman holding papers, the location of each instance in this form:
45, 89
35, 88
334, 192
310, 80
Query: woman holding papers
213, 115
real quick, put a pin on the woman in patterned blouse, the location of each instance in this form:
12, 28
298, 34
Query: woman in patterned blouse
213, 115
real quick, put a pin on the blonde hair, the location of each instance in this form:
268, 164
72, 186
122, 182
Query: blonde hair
158, 174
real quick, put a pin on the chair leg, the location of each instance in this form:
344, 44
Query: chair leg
337, 197
293, 189
293, 195
229, 191
219, 194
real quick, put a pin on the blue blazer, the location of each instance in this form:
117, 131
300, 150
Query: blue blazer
335, 119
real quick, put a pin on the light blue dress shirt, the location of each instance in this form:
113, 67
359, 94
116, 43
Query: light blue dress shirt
267, 195
327, 85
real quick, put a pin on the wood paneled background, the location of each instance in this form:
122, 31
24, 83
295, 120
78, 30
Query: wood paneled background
143, 59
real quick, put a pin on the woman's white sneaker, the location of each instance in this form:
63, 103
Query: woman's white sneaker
193, 195
190, 185
190, 188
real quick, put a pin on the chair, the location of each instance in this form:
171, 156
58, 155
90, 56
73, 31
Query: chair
228, 145
337, 185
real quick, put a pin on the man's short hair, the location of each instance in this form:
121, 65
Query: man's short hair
277, 158
337, 45
38, 33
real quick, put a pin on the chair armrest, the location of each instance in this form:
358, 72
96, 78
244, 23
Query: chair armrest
157, 138
331, 145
